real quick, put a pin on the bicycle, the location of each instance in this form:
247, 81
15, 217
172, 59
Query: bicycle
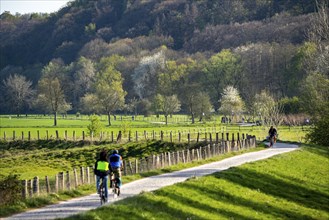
114, 186
272, 140
102, 192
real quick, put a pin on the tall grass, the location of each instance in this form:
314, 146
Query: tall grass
290, 186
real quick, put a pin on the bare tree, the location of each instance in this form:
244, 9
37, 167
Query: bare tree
168, 105
18, 92
51, 92
318, 33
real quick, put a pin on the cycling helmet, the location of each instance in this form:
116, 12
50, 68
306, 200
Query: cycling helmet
115, 152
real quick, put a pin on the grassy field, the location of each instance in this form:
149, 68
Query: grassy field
290, 186
43, 124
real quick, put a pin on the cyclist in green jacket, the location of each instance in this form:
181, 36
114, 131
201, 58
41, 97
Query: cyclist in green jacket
101, 170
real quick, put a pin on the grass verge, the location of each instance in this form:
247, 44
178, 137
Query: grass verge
37, 202
289, 186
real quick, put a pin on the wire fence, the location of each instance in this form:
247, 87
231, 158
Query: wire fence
84, 175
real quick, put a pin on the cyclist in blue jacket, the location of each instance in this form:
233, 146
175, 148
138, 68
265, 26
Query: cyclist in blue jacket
116, 167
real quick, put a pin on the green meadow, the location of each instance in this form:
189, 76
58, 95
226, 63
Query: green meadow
34, 124
48, 157
290, 186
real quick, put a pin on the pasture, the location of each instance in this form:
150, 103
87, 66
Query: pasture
39, 126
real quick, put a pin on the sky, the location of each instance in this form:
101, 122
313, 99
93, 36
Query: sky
29, 6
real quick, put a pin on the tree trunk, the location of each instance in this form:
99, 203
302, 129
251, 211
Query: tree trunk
55, 118
192, 118
109, 118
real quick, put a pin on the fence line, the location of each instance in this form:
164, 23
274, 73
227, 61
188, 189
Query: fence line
185, 135
84, 175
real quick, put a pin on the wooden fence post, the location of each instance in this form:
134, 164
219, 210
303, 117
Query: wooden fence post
82, 176
179, 136
136, 136
83, 136
30, 186
88, 175
68, 180
29, 135
36, 186
189, 138
62, 178
38, 135
161, 135
119, 136
14, 135
47, 135
136, 166
75, 174
57, 136
65, 134
24, 189
56, 183
47, 184
124, 168
4, 135
171, 136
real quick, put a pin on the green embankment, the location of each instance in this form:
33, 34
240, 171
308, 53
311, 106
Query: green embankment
289, 186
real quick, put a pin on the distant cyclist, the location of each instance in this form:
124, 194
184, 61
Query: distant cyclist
272, 133
101, 170
116, 167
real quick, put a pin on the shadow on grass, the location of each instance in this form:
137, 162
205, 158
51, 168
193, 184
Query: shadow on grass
276, 187
261, 207
199, 205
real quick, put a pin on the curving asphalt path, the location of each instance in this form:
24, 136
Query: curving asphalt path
77, 205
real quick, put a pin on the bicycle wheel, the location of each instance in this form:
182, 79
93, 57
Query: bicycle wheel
102, 193
113, 187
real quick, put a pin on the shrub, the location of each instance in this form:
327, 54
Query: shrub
95, 127
319, 132
10, 190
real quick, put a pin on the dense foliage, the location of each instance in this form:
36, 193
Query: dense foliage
107, 56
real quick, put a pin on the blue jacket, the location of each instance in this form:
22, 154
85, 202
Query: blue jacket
115, 160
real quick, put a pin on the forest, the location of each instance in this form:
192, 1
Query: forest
163, 57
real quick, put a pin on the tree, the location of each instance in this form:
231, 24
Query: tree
83, 78
170, 76
231, 102
18, 92
315, 94
222, 69
168, 105
50, 90
145, 75
108, 94
267, 109
95, 127
203, 106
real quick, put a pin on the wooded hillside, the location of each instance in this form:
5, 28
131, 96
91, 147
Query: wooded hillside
145, 53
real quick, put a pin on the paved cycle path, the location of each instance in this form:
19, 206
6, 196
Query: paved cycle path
82, 204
